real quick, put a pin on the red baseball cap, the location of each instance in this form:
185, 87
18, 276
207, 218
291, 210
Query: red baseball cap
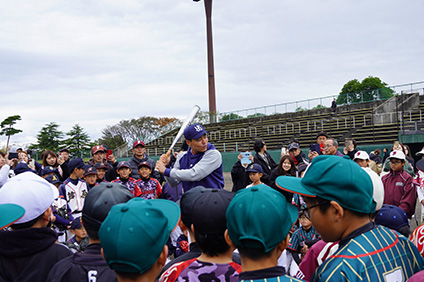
95, 149
138, 142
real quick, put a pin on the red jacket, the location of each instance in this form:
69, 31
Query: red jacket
400, 191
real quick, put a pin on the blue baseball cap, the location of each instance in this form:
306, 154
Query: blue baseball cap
255, 168
48, 169
53, 179
75, 163
22, 167
194, 131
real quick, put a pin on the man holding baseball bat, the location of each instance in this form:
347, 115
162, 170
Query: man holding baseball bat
201, 165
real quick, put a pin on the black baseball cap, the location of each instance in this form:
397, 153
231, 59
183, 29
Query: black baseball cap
99, 201
209, 211
186, 204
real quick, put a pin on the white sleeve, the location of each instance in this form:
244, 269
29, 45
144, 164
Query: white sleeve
210, 162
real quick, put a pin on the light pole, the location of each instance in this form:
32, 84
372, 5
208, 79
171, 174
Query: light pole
211, 73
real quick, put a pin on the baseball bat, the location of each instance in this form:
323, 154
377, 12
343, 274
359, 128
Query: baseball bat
186, 122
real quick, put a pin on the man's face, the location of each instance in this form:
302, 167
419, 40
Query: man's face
321, 139
321, 222
144, 172
124, 172
98, 156
329, 148
294, 152
396, 164
101, 173
139, 151
65, 155
198, 145
90, 178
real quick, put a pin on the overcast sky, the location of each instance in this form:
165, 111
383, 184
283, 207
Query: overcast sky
98, 62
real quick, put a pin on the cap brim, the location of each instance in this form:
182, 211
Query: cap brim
294, 185
170, 210
9, 214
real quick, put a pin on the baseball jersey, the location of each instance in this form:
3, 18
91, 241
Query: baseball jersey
74, 194
150, 188
195, 270
379, 254
131, 186
284, 278
417, 238
300, 236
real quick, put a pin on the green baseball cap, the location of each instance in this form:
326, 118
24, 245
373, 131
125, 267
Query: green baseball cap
259, 217
335, 179
134, 233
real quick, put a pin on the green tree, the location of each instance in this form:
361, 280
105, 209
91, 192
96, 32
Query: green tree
144, 128
78, 140
48, 138
231, 116
7, 129
370, 89
318, 107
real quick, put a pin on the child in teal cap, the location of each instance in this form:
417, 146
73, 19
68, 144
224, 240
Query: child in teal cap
134, 235
339, 198
258, 223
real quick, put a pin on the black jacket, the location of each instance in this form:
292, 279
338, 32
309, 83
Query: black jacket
267, 168
134, 162
80, 266
239, 176
29, 254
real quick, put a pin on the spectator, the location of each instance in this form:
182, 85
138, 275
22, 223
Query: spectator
5, 165
98, 154
139, 156
90, 265
73, 190
287, 167
209, 225
50, 159
317, 149
350, 148
124, 171
149, 186
101, 172
264, 159
330, 147
259, 220
408, 155
90, 176
238, 173
255, 174
29, 251
334, 106
340, 209
201, 165
297, 154
399, 190
149, 234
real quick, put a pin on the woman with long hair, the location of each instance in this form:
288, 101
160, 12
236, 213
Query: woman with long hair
286, 166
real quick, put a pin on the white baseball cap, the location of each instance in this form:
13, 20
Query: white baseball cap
378, 188
362, 155
420, 152
397, 155
29, 191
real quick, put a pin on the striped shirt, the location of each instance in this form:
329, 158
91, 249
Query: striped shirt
380, 254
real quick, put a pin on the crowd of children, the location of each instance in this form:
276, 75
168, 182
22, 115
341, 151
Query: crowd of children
318, 217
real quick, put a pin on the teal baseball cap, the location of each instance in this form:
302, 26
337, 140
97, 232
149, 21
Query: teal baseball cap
335, 179
134, 233
259, 217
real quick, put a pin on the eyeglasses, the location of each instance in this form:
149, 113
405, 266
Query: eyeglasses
395, 162
305, 210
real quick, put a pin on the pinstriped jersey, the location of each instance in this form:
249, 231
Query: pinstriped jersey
380, 254
284, 278
299, 236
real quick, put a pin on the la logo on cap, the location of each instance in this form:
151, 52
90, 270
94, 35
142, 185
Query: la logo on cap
198, 128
